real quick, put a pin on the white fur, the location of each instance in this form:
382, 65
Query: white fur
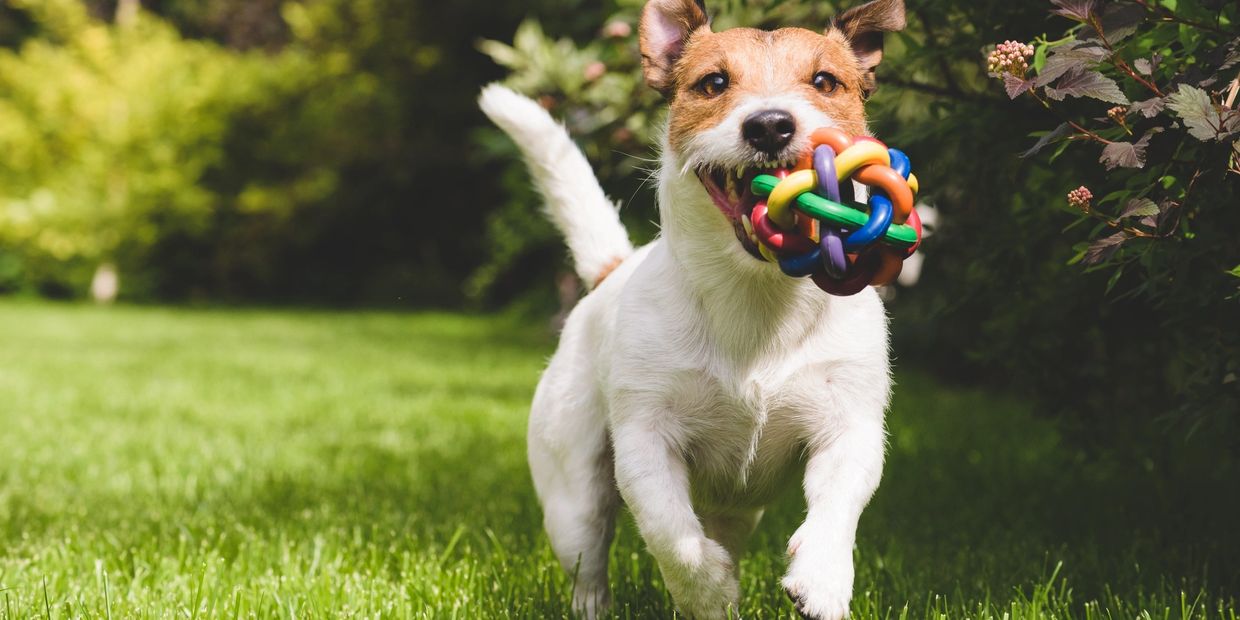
722, 144
575, 202
691, 384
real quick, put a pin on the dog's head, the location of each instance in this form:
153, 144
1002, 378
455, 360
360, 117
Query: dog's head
743, 101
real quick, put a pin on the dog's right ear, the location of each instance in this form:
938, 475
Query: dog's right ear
666, 26
864, 27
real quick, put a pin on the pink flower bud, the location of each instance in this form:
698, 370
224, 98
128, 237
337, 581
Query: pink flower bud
594, 71
617, 29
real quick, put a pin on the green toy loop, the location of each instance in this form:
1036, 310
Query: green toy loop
844, 216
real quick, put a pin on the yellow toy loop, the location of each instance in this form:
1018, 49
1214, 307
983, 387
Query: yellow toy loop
778, 204
793, 185
859, 154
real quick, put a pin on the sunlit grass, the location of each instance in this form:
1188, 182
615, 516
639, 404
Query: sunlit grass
205, 463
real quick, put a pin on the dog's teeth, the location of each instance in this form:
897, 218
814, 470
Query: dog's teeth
740, 173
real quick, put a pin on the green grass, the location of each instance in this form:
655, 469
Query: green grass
225, 463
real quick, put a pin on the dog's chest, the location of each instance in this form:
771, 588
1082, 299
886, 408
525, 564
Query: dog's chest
743, 435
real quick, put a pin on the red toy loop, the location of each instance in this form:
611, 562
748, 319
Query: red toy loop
781, 242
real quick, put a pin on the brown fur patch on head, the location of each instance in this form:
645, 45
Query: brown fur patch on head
771, 63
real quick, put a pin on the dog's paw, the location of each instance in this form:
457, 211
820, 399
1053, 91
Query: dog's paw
701, 579
816, 605
819, 579
591, 603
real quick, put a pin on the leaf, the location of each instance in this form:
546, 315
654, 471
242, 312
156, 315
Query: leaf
1064, 58
1197, 111
1104, 248
1139, 207
1015, 86
1081, 83
1233, 55
1143, 66
1118, 20
1074, 9
1062, 130
1039, 57
1231, 121
1121, 154
1166, 210
500, 53
1125, 154
1149, 108
1114, 279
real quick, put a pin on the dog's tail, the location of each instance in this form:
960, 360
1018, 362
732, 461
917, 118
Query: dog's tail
574, 201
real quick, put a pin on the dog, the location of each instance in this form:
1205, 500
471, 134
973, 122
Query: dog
695, 379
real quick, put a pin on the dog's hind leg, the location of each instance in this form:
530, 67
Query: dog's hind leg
571, 462
733, 531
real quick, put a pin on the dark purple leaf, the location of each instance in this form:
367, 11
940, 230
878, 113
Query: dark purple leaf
1139, 207
1075, 55
1074, 9
1148, 108
1231, 121
1062, 130
1081, 83
1197, 111
1015, 86
1233, 55
1125, 154
1166, 208
1104, 248
1119, 20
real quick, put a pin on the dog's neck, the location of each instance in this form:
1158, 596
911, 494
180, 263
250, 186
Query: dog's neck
752, 309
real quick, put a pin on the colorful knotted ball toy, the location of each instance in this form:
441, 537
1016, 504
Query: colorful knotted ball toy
809, 230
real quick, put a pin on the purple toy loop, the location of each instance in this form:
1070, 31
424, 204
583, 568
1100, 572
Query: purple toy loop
832, 240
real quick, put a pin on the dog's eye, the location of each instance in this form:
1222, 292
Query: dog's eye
825, 82
713, 85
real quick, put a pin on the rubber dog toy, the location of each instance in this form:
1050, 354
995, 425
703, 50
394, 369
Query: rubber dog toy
810, 231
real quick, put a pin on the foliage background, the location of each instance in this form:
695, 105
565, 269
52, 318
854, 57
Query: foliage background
329, 152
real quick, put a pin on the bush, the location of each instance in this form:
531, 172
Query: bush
303, 167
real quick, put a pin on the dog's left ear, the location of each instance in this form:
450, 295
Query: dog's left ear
665, 28
864, 27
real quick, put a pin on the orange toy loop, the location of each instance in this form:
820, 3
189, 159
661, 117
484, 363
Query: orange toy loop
892, 261
894, 185
832, 137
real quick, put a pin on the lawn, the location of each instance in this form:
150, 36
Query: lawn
159, 462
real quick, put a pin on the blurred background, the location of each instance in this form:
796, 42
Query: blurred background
205, 162
329, 152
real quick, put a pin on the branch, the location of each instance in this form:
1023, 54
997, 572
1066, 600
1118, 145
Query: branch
939, 91
1071, 123
1165, 15
1116, 60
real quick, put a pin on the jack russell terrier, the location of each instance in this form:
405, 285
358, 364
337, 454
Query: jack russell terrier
694, 379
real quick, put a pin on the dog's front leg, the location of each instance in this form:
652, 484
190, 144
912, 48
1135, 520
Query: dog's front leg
654, 481
840, 477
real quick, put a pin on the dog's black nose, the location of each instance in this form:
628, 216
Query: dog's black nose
769, 131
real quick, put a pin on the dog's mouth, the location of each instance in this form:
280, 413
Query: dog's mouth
732, 192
